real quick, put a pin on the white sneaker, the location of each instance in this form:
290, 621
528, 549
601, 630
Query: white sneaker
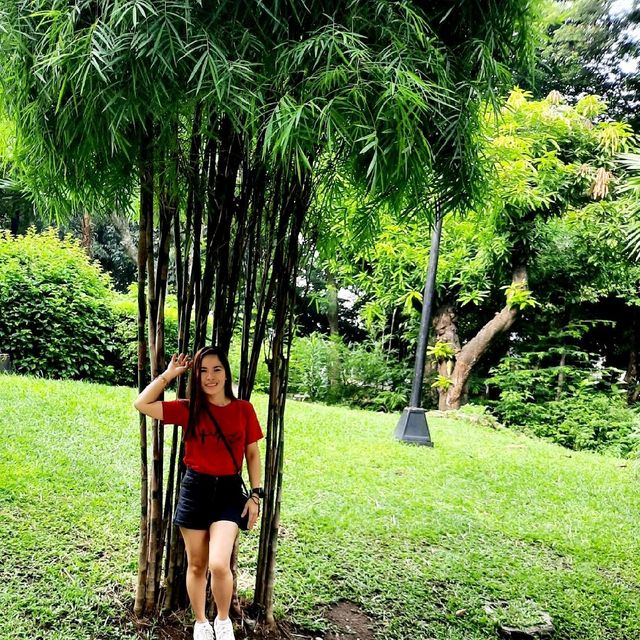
202, 631
224, 629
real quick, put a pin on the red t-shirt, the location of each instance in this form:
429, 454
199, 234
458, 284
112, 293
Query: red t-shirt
206, 452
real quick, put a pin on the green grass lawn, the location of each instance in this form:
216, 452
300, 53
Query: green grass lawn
413, 535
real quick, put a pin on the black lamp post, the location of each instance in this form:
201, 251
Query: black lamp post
412, 426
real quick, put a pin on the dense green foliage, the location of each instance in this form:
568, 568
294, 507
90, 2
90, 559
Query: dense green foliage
390, 90
560, 392
61, 319
555, 196
556, 205
55, 318
411, 535
124, 335
590, 46
596, 421
362, 375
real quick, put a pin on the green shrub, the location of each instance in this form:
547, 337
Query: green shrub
374, 379
576, 404
124, 354
595, 421
125, 339
261, 383
315, 367
327, 370
55, 316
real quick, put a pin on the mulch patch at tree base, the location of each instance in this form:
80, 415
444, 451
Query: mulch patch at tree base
347, 621
350, 622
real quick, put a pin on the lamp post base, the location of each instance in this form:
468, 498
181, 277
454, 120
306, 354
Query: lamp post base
413, 428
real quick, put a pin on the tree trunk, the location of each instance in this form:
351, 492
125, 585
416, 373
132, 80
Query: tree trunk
154, 549
561, 376
272, 233
226, 209
211, 259
631, 375
187, 258
445, 330
235, 608
167, 207
469, 355
285, 266
126, 239
87, 233
251, 260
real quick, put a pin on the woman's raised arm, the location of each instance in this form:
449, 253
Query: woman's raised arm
147, 402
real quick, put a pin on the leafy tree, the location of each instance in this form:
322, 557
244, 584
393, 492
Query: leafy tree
543, 248
16, 210
591, 47
549, 158
110, 242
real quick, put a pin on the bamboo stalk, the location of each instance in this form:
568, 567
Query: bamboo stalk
167, 517
236, 610
237, 254
250, 276
273, 232
142, 381
188, 261
229, 160
155, 496
277, 493
294, 209
211, 257
175, 596
166, 217
273, 426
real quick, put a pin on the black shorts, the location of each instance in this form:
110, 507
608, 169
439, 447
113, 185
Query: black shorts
206, 499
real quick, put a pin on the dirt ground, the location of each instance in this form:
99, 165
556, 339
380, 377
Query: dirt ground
345, 621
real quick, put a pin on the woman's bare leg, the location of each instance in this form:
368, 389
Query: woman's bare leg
222, 537
196, 542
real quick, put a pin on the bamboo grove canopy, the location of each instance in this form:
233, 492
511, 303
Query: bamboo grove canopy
226, 119
389, 88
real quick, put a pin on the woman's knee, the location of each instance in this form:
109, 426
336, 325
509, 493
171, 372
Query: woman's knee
197, 566
219, 567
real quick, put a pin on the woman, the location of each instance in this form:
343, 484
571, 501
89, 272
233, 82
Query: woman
219, 431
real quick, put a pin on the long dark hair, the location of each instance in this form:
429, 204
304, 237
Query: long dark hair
197, 397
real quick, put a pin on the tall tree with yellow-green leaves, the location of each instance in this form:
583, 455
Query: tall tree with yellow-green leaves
555, 172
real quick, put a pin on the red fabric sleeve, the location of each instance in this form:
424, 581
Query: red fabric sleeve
254, 432
176, 412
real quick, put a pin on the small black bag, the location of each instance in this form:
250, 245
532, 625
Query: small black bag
244, 522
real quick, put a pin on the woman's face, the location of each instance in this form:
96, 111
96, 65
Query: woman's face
212, 376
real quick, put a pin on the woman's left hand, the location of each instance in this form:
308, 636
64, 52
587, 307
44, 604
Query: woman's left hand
253, 508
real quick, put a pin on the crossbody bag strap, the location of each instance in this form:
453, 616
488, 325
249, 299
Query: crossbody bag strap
226, 444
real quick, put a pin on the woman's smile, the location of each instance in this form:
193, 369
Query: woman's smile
212, 375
